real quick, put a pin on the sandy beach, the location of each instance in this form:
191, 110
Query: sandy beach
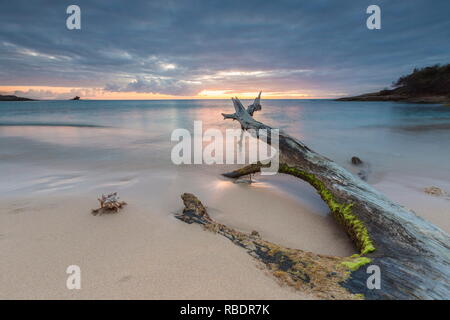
143, 252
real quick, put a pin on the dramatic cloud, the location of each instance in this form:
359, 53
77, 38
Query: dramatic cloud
157, 85
319, 48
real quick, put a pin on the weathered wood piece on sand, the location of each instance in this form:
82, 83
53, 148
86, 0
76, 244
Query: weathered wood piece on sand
109, 204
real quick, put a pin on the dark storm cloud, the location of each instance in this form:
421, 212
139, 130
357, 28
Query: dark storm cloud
182, 47
157, 85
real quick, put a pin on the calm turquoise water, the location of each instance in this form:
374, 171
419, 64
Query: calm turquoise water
40, 138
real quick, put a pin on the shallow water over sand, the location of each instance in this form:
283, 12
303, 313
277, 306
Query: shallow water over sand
405, 138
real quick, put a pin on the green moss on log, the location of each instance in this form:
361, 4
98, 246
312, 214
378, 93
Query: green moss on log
341, 211
355, 262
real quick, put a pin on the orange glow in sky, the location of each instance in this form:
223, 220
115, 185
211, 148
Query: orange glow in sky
56, 93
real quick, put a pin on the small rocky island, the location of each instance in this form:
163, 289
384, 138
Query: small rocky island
425, 85
14, 98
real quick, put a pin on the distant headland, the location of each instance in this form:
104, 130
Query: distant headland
425, 85
14, 98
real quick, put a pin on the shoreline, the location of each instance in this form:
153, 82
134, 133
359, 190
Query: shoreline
381, 96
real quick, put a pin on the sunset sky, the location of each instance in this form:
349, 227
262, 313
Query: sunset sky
215, 49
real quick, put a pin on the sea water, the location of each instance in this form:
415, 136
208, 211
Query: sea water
59, 146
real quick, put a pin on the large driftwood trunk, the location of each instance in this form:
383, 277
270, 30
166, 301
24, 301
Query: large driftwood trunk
413, 254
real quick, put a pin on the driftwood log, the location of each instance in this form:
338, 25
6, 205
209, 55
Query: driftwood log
413, 255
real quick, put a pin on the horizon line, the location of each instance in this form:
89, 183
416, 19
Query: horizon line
168, 99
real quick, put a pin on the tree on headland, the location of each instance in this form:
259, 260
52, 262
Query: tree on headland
425, 85
428, 80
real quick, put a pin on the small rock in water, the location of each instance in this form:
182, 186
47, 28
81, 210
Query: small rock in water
435, 191
356, 161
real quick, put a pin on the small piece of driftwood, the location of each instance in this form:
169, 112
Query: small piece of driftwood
109, 204
435, 191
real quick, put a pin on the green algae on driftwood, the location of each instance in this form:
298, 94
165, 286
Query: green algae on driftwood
412, 254
341, 211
